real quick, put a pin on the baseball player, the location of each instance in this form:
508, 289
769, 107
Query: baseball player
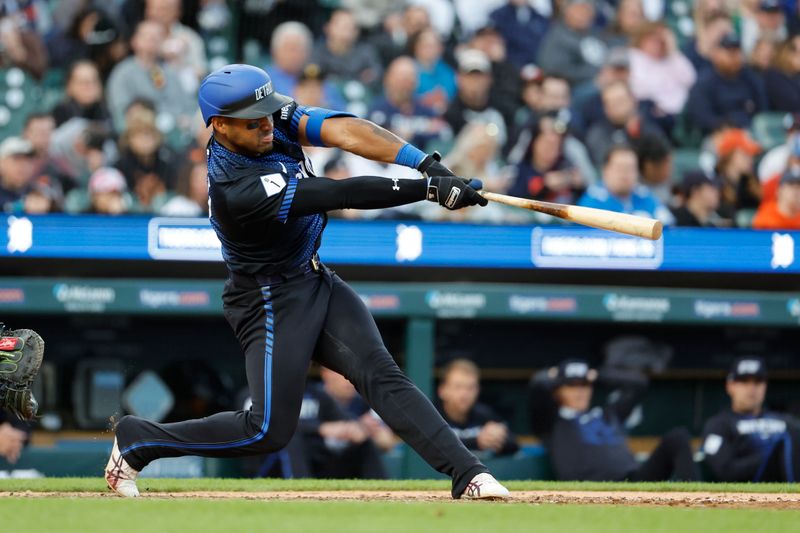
283, 304
588, 444
747, 442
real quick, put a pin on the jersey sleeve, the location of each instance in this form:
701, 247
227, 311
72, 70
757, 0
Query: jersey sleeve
287, 119
263, 197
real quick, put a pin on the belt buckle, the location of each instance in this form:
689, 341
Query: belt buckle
316, 266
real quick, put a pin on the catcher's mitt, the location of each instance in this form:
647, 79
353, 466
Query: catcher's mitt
21, 352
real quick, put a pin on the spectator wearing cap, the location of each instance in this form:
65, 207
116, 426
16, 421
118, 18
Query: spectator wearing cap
776, 159
747, 442
310, 88
701, 195
144, 75
729, 94
183, 48
572, 48
783, 212
622, 122
343, 56
83, 96
473, 98
735, 169
437, 80
620, 189
588, 444
476, 424
290, 51
544, 172
400, 110
522, 28
783, 79
660, 73
16, 169
108, 192
699, 49
766, 21
505, 75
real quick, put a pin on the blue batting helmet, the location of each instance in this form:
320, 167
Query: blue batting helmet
239, 91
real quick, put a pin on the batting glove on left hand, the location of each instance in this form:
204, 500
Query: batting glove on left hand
454, 192
431, 166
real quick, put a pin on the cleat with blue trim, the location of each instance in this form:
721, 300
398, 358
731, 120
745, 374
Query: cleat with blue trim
120, 476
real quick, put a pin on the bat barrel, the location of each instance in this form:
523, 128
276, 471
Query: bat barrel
637, 226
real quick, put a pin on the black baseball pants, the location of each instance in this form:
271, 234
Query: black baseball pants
672, 459
281, 327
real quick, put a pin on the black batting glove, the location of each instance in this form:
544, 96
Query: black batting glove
452, 192
431, 166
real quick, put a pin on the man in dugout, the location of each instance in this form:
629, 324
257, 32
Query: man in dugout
589, 443
747, 442
476, 424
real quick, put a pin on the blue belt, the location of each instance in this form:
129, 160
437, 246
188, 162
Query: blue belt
261, 280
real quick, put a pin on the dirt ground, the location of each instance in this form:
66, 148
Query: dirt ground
669, 499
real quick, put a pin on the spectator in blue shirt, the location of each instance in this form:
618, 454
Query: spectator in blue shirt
399, 110
729, 94
437, 79
522, 28
620, 189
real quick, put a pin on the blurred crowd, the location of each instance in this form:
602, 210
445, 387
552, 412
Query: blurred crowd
688, 112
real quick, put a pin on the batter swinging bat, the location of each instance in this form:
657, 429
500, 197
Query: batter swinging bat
588, 216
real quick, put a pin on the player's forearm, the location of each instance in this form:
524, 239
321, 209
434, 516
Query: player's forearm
362, 137
318, 195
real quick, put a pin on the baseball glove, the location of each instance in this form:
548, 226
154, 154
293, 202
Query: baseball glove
21, 352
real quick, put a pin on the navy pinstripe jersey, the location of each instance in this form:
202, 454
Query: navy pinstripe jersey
250, 198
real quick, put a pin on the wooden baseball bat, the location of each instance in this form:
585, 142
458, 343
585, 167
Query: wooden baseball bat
588, 216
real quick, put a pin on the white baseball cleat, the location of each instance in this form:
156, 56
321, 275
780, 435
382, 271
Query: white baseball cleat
120, 476
485, 487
